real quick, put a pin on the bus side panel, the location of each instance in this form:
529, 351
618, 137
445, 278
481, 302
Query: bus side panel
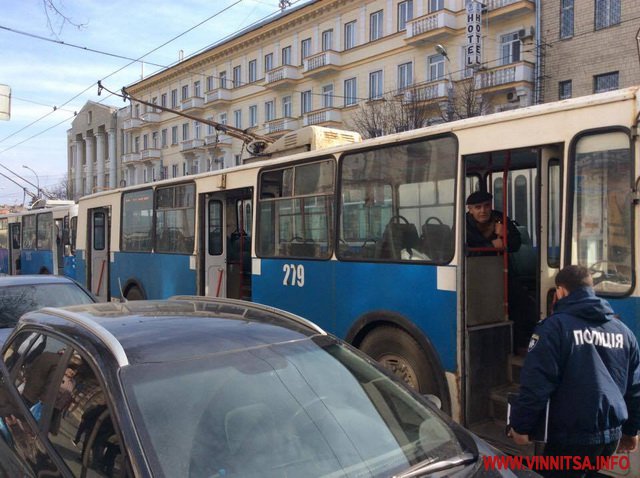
299, 286
335, 299
33, 262
160, 275
4, 261
81, 267
69, 267
629, 311
410, 290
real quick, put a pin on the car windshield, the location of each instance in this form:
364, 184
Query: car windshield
16, 300
308, 408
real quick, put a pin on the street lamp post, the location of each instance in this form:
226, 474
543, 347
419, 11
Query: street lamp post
37, 178
443, 51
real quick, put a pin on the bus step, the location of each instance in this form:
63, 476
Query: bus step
515, 366
498, 407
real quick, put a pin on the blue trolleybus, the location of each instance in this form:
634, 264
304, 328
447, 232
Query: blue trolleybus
367, 239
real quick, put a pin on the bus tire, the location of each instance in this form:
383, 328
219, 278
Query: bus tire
134, 293
400, 353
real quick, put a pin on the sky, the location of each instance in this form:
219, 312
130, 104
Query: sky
50, 81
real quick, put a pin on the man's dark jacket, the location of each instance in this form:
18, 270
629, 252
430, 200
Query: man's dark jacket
476, 239
587, 361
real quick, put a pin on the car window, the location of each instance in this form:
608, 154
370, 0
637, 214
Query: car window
81, 428
19, 299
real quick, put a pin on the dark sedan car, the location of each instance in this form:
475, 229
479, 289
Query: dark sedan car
24, 293
192, 387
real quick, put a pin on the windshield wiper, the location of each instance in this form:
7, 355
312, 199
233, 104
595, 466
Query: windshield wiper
431, 466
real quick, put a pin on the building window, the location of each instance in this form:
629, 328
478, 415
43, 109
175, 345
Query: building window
196, 130
286, 55
405, 75
435, 5
174, 135
163, 100
268, 62
564, 90
606, 82
436, 67
136, 144
327, 40
607, 13
223, 118
287, 107
196, 89
164, 172
145, 141
566, 19
210, 83
253, 71
174, 99
237, 72
305, 48
185, 92
222, 77
405, 13
253, 115
375, 25
305, 101
237, 118
269, 111
185, 131
237, 159
174, 171
163, 138
350, 35
375, 85
510, 48
350, 93
154, 140
210, 128
327, 96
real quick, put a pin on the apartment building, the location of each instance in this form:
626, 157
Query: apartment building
321, 63
92, 150
589, 46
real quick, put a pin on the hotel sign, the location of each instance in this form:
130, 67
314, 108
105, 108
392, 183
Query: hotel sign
473, 48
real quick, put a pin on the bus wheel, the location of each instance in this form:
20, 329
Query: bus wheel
134, 293
399, 353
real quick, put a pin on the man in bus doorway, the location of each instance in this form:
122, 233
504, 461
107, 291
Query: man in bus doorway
586, 363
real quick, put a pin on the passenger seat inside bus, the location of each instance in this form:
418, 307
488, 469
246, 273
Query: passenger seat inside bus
437, 240
396, 237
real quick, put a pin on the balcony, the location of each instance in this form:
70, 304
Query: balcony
282, 125
130, 158
431, 27
131, 123
505, 9
150, 117
191, 144
221, 95
195, 102
282, 77
327, 115
324, 62
149, 154
432, 90
219, 139
504, 77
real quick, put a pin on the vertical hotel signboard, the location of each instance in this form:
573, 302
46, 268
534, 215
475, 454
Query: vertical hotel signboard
473, 49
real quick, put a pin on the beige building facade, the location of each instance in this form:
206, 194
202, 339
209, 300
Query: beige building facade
320, 64
589, 46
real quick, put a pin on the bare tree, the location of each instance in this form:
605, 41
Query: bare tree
56, 18
62, 190
465, 101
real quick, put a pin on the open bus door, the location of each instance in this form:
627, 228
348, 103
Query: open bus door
15, 239
98, 248
506, 294
227, 244
58, 234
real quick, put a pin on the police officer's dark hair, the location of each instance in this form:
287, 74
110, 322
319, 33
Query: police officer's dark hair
574, 277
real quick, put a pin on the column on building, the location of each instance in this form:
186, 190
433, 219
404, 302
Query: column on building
90, 159
100, 159
113, 162
77, 147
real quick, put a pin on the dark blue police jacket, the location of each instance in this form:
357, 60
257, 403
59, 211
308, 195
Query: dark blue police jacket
587, 362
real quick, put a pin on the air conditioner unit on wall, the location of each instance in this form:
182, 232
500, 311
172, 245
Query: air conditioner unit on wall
524, 34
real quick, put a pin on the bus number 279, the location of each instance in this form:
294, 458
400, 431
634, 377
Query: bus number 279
293, 275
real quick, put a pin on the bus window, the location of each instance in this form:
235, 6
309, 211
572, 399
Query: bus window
296, 211
397, 203
215, 228
44, 226
553, 214
72, 233
29, 232
4, 234
175, 219
137, 220
99, 231
602, 233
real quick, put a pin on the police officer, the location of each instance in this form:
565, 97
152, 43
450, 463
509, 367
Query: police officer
586, 362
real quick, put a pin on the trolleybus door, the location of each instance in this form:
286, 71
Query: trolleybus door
15, 239
98, 260
215, 250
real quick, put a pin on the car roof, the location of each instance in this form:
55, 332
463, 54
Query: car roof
176, 329
36, 279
